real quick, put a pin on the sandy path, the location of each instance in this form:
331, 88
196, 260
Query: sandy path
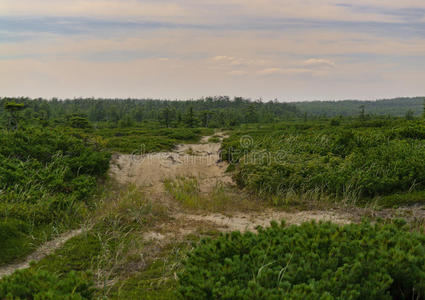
248, 222
203, 162
46, 249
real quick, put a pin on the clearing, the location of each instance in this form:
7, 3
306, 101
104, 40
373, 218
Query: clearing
202, 162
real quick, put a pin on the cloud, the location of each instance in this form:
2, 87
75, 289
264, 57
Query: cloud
224, 58
318, 63
218, 11
99, 8
237, 73
191, 48
232, 61
280, 71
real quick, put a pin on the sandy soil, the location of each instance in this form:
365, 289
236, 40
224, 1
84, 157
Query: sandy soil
245, 221
203, 162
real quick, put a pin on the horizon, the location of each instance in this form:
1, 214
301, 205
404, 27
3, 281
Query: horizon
206, 97
293, 51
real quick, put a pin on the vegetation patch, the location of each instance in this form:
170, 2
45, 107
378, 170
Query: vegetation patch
41, 284
221, 197
311, 261
350, 162
47, 179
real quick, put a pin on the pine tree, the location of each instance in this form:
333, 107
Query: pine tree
13, 108
190, 118
165, 116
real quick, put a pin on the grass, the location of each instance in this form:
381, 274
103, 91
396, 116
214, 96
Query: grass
214, 139
190, 151
147, 140
185, 190
158, 280
402, 199
122, 264
111, 248
18, 239
221, 198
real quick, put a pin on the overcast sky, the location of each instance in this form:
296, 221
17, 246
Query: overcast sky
284, 49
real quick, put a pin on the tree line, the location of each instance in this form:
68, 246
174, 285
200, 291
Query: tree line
205, 112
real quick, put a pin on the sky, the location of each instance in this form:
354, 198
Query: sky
288, 50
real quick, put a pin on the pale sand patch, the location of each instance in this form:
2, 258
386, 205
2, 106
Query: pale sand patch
203, 162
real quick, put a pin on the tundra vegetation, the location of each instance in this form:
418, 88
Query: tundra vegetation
55, 157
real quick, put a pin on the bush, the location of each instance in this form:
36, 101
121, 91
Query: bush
47, 177
40, 284
344, 162
311, 261
12, 232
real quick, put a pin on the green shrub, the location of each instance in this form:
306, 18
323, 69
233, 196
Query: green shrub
40, 284
12, 232
47, 177
346, 161
311, 261
83, 186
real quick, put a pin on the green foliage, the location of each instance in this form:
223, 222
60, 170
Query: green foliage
214, 139
400, 199
12, 233
351, 161
148, 139
211, 112
78, 254
311, 261
41, 284
157, 281
47, 178
13, 106
399, 107
190, 119
79, 122
185, 190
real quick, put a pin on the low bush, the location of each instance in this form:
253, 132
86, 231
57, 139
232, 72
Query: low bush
311, 261
40, 284
344, 162
47, 179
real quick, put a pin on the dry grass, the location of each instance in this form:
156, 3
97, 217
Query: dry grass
123, 214
221, 198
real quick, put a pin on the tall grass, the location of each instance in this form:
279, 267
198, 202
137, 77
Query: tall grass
220, 198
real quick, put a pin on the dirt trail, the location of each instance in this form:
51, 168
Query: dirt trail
203, 162
44, 250
248, 222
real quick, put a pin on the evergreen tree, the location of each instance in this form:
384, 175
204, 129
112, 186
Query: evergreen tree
251, 114
13, 108
165, 116
206, 117
190, 118
362, 112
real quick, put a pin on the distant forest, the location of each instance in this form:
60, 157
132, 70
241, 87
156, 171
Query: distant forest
206, 112
397, 107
